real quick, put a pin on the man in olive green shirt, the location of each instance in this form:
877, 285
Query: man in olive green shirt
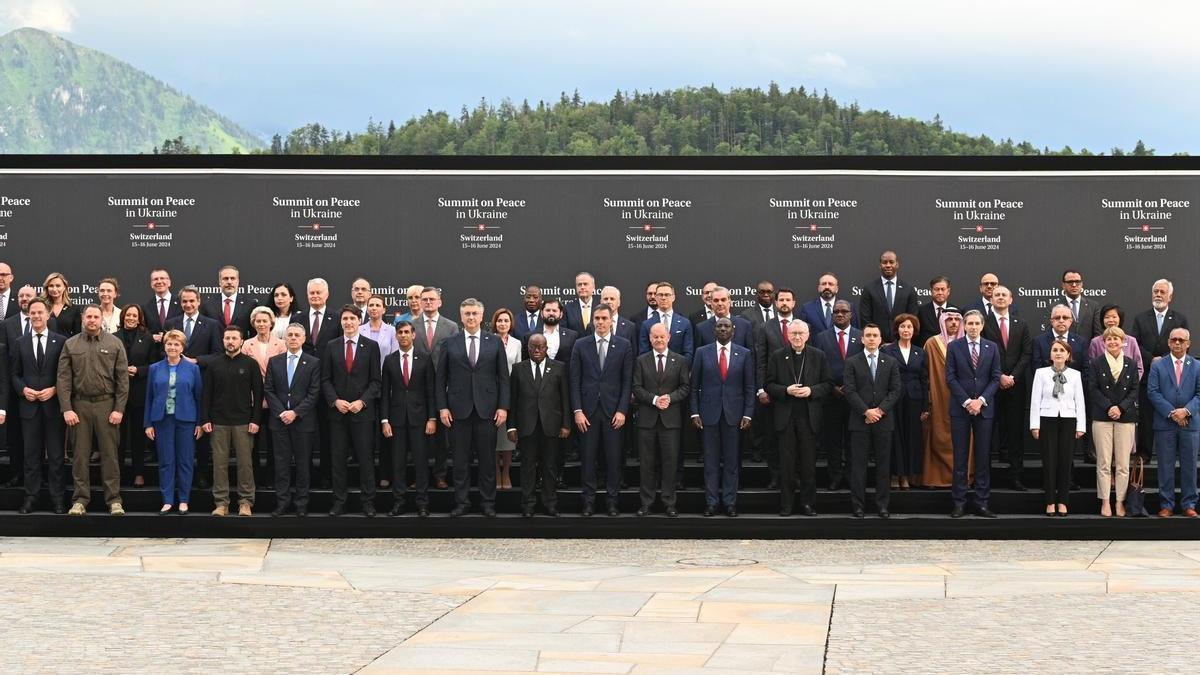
93, 387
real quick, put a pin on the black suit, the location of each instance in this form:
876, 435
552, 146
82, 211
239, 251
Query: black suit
141, 350
407, 407
473, 394
293, 442
13, 307
862, 393
540, 408
41, 421
1152, 342
835, 434
1011, 424
566, 342
768, 338
330, 329
205, 339
797, 421
68, 322
928, 316
150, 311
351, 431
699, 316
658, 430
11, 330
214, 308
873, 307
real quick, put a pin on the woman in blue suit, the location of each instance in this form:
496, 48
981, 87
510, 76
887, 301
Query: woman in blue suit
172, 419
908, 444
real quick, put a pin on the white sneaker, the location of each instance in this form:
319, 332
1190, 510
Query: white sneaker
116, 509
77, 509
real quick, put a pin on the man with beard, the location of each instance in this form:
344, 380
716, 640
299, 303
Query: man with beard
706, 312
768, 339
1151, 329
818, 312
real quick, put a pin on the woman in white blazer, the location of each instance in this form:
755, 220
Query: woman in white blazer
1057, 408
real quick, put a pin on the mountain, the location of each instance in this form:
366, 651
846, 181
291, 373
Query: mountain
60, 97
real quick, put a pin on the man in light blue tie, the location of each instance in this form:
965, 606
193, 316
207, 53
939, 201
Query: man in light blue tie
292, 388
871, 387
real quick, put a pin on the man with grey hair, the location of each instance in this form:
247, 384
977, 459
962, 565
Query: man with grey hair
472, 391
1151, 329
578, 312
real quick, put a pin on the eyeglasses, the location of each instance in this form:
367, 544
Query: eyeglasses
841, 311
1179, 340
1072, 281
989, 283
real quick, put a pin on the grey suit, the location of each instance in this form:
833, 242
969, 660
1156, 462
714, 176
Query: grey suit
658, 430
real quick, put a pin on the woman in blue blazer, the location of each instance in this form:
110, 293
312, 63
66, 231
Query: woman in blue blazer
908, 445
172, 419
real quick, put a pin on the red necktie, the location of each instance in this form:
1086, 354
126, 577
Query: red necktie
723, 365
228, 310
1004, 331
349, 355
429, 334
1178, 373
660, 365
316, 326
783, 327
842, 343
404, 367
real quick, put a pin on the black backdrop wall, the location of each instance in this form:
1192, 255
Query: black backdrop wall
487, 233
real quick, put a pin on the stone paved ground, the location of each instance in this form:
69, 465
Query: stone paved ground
1138, 632
667, 551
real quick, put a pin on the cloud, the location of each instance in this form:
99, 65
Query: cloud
837, 68
56, 16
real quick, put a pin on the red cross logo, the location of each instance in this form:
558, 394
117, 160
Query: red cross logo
647, 227
150, 226
481, 227
1146, 228
316, 226
812, 228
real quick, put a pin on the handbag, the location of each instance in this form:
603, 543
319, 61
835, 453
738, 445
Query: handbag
1135, 496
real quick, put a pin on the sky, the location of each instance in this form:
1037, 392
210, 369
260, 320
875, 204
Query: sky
1092, 74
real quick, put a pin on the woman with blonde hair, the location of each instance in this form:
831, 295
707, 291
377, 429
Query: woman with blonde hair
65, 318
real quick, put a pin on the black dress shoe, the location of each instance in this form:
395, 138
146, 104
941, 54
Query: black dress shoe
710, 511
857, 513
672, 513
884, 514
784, 513
730, 512
396, 510
613, 512
809, 511
457, 511
985, 512
774, 484
552, 512
279, 511
489, 512
422, 512
835, 484
369, 510
643, 512
301, 511
527, 513
1018, 485
958, 511
587, 511
337, 510
26, 506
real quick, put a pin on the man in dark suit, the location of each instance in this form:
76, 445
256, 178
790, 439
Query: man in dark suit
1085, 312
350, 380
1151, 329
321, 326
679, 328
837, 344
34, 372
871, 385
743, 330
661, 384
818, 312
8, 299
472, 393
983, 303
885, 297
292, 389
360, 292
408, 416
1060, 329
798, 381
649, 312
430, 332
601, 384
230, 306
578, 311
529, 321
973, 375
722, 406
203, 334
622, 327
540, 419
763, 309
768, 339
12, 329
1013, 338
706, 311
162, 306
559, 338
930, 313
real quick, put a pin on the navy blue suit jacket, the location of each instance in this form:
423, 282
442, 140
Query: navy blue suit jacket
206, 335
573, 314
813, 313
188, 390
734, 398
970, 383
743, 332
682, 340
1041, 352
606, 391
464, 389
827, 343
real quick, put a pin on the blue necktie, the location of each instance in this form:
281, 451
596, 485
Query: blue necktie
187, 329
871, 359
291, 369
1159, 319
